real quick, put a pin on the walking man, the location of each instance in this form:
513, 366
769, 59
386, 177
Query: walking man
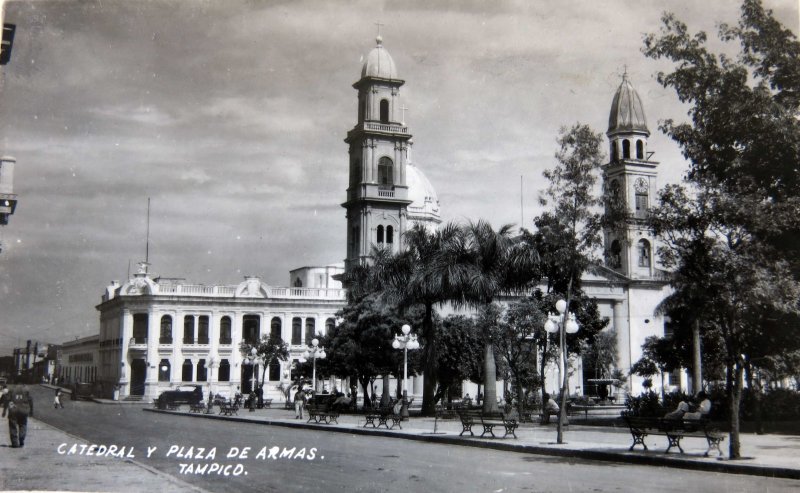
299, 403
18, 406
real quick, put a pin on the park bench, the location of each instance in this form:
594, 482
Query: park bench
675, 430
471, 417
198, 407
228, 409
383, 415
320, 409
267, 403
448, 410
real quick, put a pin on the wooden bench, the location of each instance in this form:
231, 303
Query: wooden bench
228, 409
675, 430
197, 407
267, 403
383, 415
470, 418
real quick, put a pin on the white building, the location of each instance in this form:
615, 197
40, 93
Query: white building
158, 333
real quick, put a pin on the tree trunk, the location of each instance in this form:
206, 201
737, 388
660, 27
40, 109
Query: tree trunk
385, 398
430, 363
697, 361
736, 399
489, 380
365, 386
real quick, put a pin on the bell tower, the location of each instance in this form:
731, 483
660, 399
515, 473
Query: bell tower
377, 193
630, 179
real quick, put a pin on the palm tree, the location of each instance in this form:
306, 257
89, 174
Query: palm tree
428, 271
495, 263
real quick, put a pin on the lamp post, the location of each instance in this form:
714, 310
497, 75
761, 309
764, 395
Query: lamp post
405, 342
314, 352
564, 324
252, 359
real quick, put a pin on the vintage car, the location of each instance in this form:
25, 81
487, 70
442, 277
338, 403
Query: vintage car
82, 391
184, 394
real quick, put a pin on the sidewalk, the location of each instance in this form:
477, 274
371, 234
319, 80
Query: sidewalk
765, 455
21, 471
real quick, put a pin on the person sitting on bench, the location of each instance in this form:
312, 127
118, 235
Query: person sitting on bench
548, 408
682, 412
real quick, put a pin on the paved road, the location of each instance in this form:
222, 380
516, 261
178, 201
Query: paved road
343, 462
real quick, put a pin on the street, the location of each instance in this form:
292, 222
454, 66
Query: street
311, 460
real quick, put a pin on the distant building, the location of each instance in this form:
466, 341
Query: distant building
157, 333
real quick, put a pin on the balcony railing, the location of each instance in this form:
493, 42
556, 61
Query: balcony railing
138, 342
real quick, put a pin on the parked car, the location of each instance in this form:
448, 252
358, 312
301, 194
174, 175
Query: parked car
82, 391
184, 394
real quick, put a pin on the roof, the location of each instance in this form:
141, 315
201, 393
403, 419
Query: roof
379, 63
627, 111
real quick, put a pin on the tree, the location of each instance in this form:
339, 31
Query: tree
732, 243
425, 273
493, 264
361, 345
516, 338
569, 234
268, 349
658, 358
459, 352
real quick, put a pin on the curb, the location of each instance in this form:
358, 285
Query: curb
638, 458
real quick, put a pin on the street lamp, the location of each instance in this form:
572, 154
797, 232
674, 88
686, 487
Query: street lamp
405, 342
314, 352
564, 324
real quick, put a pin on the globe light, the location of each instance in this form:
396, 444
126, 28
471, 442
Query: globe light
396, 344
561, 306
253, 352
572, 325
406, 329
550, 326
315, 342
322, 355
306, 355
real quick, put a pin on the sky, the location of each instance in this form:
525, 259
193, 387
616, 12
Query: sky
230, 117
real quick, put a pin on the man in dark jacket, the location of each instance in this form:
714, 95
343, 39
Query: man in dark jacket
18, 406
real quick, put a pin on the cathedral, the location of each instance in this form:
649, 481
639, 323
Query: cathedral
157, 333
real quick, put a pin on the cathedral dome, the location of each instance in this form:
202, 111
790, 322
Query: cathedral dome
627, 111
424, 206
379, 63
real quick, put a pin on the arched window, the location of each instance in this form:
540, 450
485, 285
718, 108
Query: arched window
297, 330
187, 370
188, 329
164, 370
615, 255
384, 111
311, 329
274, 371
639, 149
385, 173
202, 371
202, 329
626, 149
298, 283
275, 327
224, 374
165, 337
225, 330
379, 240
643, 248
330, 323
389, 235
140, 328
251, 328
614, 157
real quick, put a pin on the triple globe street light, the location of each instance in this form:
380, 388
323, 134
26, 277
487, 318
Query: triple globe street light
405, 342
564, 324
314, 352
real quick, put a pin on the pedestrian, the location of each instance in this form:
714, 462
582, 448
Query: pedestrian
549, 408
253, 399
299, 403
18, 406
57, 400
